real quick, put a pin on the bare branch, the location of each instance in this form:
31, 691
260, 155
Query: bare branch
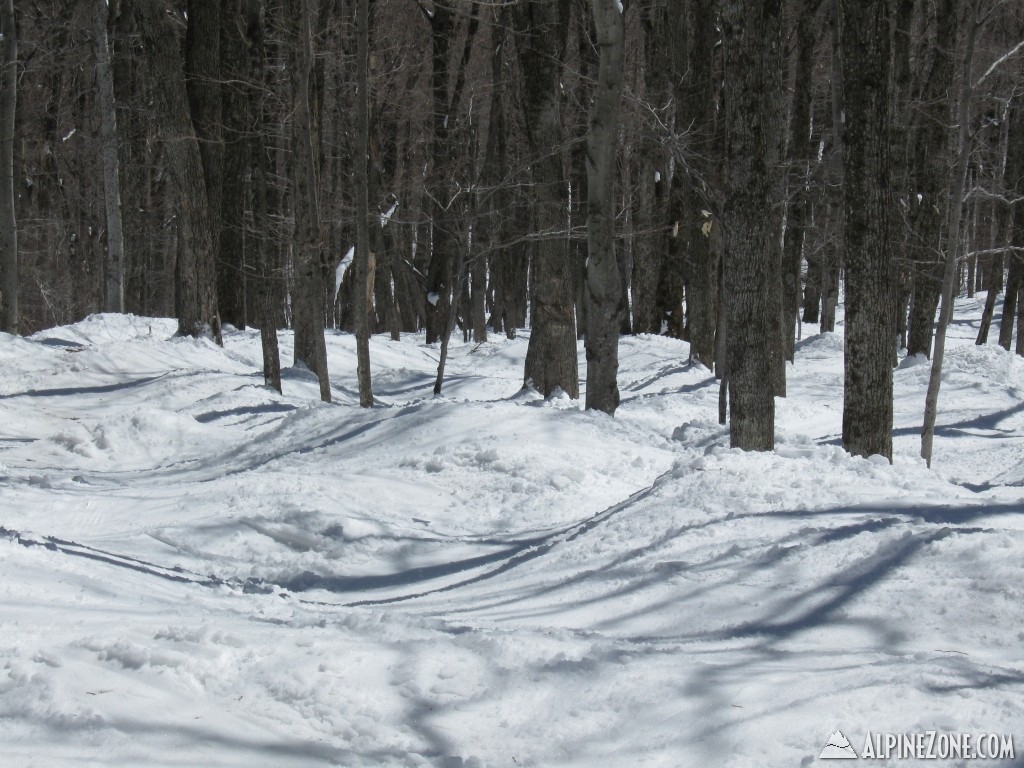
998, 62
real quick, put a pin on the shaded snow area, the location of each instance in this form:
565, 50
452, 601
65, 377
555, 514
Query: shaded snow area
197, 571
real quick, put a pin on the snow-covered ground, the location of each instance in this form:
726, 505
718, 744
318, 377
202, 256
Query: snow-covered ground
197, 571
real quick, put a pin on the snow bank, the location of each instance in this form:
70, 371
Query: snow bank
199, 571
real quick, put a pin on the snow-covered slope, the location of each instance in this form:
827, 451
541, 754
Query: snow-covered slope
197, 571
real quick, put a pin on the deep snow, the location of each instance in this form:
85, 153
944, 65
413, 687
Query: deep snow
197, 571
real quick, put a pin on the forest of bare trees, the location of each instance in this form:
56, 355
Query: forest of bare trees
714, 171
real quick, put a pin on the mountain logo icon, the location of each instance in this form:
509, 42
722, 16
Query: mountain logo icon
838, 748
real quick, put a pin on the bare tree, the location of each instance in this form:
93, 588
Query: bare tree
752, 33
931, 178
955, 214
801, 152
109, 158
870, 284
8, 218
604, 284
551, 355
196, 296
235, 52
308, 292
696, 218
362, 255
203, 80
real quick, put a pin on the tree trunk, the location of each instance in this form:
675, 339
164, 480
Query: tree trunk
901, 109
870, 280
955, 213
440, 274
308, 299
801, 150
604, 285
1014, 277
494, 197
231, 267
1012, 223
551, 354
753, 43
993, 286
361, 301
649, 212
9, 281
256, 89
195, 268
931, 140
203, 84
109, 159
700, 221
578, 121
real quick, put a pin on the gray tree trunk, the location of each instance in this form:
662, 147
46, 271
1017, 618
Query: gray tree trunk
551, 355
1009, 229
442, 245
698, 230
203, 85
649, 211
110, 161
195, 268
1013, 282
604, 285
931, 178
235, 66
496, 200
955, 209
256, 92
308, 298
753, 42
831, 257
9, 315
362, 256
867, 244
801, 152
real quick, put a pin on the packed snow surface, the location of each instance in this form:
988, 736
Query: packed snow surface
197, 571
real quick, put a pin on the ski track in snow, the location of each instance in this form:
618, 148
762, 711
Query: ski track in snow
199, 571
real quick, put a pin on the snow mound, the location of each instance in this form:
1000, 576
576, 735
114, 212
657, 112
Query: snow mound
198, 570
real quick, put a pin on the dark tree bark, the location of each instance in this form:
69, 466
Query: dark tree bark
203, 79
1014, 278
899, 132
1014, 224
258, 120
308, 292
870, 284
446, 97
496, 199
362, 257
753, 42
993, 285
697, 230
604, 285
9, 281
195, 275
649, 211
109, 158
830, 257
231, 268
551, 354
801, 152
440, 274
931, 178
954, 213
579, 119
